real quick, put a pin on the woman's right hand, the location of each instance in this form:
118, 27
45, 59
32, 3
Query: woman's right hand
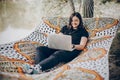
61, 33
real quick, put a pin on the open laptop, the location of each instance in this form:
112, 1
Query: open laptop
59, 41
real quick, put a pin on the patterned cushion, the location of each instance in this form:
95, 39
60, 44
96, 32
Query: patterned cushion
77, 74
11, 65
92, 54
97, 27
27, 48
26, 51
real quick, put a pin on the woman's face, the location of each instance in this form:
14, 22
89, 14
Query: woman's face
75, 22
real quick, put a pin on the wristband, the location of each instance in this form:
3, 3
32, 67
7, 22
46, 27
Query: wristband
73, 46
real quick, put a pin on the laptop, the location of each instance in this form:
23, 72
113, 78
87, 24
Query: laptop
60, 41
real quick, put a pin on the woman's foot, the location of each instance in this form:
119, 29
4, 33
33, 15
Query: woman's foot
37, 69
32, 69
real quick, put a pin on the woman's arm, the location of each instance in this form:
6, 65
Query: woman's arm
60, 33
82, 44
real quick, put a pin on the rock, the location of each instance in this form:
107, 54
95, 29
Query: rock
114, 58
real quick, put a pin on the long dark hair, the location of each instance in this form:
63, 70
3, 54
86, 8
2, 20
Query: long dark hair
78, 15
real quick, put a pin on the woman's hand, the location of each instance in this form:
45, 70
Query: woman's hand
82, 44
61, 33
79, 47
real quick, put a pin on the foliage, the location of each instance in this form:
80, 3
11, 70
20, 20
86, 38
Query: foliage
104, 1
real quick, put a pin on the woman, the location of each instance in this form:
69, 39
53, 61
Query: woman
47, 58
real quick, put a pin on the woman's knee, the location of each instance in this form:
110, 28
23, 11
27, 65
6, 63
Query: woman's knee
41, 47
59, 54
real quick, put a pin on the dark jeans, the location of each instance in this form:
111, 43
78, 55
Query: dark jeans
48, 58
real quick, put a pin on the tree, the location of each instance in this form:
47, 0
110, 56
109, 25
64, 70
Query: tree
87, 7
72, 5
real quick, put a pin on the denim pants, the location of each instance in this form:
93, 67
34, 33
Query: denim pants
47, 58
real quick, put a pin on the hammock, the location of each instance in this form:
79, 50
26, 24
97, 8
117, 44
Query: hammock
91, 64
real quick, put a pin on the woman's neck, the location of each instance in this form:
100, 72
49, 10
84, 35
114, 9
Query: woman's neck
75, 28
